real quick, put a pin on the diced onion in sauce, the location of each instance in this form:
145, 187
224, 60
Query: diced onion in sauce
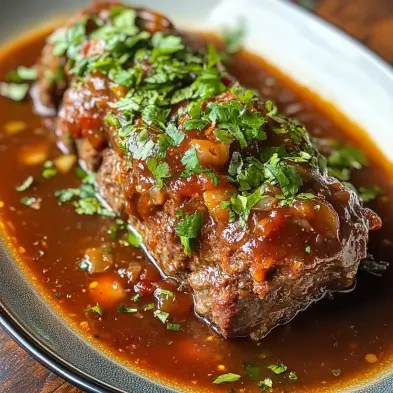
211, 153
157, 196
65, 162
213, 201
265, 204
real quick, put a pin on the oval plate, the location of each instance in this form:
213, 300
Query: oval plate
318, 55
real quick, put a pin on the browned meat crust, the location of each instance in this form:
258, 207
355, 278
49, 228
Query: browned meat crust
246, 279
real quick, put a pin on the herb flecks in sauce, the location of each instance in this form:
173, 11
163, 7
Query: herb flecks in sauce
117, 325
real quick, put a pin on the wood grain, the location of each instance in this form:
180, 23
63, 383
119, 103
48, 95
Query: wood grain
19, 372
370, 21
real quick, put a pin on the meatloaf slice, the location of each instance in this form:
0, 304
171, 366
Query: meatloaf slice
229, 196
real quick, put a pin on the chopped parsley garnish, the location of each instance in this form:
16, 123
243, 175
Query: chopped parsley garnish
286, 175
116, 227
96, 309
67, 41
292, 376
188, 229
173, 326
233, 121
175, 134
226, 378
157, 70
160, 171
179, 213
336, 372
48, 170
161, 315
135, 297
148, 307
28, 201
368, 194
22, 74
233, 37
265, 385
343, 159
277, 368
84, 199
124, 309
164, 293
26, 184
190, 160
252, 370
134, 239
14, 91
308, 249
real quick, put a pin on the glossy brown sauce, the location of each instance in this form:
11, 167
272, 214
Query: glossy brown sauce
334, 335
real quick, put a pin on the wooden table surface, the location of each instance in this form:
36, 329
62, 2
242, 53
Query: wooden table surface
371, 21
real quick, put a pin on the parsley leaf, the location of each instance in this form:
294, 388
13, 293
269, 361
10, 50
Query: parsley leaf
265, 385
368, 194
173, 326
84, 198
212, 56
160, 171
198, 124
165, 45
253, 370
14, 91
175, 134
134, 239
188, 229
161, 315
22, 74
278, 368
233, 37
26, 184
165, 293
347, 157
242, 204
190, 160
148, 307
286, 175
68, 40
48, 170
27, 201
292, 376
226, 378
124, 309
154, 115
97, 309
336, 372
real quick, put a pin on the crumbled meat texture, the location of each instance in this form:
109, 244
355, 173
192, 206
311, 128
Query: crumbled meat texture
246, 280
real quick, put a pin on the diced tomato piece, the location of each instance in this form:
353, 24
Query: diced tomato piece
144, 288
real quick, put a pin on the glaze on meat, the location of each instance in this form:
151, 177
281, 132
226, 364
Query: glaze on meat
250, 267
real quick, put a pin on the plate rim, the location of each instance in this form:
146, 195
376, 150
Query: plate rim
44, 355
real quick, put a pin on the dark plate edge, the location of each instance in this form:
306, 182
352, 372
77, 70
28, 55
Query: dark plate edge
63, 369
48, 359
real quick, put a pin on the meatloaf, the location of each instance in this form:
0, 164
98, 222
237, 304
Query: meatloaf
229, 196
